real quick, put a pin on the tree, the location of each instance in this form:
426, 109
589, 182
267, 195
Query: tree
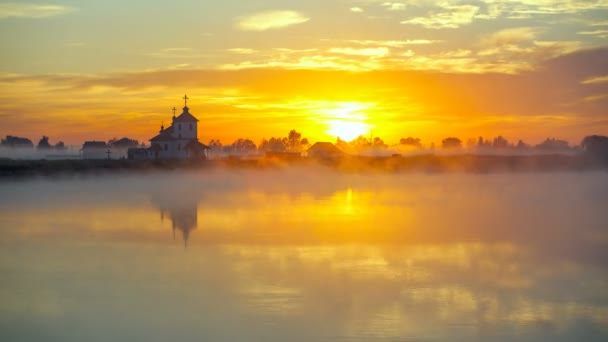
553, 145
360, 143
451, 143
60, 146
483, 144
12, 141
500, 143
342, 145
244, 146
43, 144
596, 145
274, 145
295, 142
378, 143
410, 141
216, 146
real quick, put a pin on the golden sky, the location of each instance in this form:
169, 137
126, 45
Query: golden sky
92, 70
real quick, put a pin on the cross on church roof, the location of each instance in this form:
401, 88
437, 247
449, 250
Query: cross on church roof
186, 98
174, 111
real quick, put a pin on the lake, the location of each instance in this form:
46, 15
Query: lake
305, 255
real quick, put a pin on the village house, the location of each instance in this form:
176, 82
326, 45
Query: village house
95, 150
324, 150
120, 147
178, 141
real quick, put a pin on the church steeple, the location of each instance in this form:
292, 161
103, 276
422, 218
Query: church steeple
162, 127
186, 98
174, 109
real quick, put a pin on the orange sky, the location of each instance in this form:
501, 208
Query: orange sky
426, 69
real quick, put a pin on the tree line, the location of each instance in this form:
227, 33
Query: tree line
294, 142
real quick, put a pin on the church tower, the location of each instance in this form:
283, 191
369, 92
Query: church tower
185, 125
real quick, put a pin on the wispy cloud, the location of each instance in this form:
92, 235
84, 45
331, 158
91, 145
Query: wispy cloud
452, 16
596, 33
242, 51
356, 9
394, 6
596, 80
395, 43
511, 36
263, 21
19, 10
368, 52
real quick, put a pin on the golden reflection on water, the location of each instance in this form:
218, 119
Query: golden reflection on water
357, 262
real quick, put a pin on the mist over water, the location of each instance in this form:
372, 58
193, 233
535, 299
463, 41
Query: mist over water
305, 255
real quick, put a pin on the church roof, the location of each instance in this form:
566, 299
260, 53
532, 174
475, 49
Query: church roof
165, 135
195, 144
185, 116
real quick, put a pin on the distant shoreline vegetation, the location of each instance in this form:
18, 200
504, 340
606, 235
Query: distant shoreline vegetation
18, 157
427, 163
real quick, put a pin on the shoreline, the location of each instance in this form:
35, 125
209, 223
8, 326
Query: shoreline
465, 163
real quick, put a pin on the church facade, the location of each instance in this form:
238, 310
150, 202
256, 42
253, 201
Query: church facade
178, 141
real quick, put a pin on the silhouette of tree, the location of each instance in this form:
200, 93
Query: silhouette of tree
360, 143
553, 145
596, 145
295, 142
483, 144
274, 145
244, 146
12, 141
60, 146
451, 143
500, 143
409, 141
378, 143
342, 145
43, 144
522, 146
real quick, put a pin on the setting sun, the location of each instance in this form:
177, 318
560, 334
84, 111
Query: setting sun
347, 120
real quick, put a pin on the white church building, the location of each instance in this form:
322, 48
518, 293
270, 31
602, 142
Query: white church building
178, 141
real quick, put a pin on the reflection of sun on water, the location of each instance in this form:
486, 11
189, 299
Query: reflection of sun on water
346, 120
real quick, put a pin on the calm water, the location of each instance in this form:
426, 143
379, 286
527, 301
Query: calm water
305, 255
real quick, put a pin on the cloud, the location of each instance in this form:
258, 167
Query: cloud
369, 52
263, 21
511, 36
394, 6
452, 16
521, 45
597, 33
242, 51
596, 80
395, 43
18, 10
356, 9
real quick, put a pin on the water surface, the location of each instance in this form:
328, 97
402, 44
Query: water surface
305, 255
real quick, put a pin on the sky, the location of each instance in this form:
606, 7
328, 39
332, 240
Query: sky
95, 70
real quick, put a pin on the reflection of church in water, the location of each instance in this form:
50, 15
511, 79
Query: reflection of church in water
182, 214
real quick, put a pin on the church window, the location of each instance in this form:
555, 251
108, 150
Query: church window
190, 126
166, 147
179, 136
179, 127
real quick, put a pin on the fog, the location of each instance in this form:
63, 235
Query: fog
304, 254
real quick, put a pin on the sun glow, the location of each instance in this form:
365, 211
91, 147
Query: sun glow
347, 120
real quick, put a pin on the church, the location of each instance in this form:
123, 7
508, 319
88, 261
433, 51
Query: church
178, 141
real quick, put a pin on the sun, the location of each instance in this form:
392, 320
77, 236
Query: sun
347, 120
